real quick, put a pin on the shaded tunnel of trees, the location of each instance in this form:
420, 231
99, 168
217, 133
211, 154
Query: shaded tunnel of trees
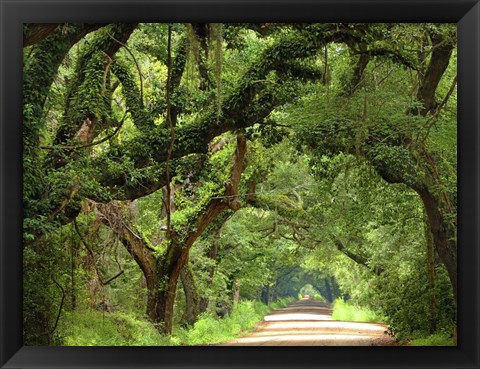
172, 170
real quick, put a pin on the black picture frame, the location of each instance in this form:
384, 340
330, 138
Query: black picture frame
466, 13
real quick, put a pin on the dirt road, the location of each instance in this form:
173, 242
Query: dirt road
309, 323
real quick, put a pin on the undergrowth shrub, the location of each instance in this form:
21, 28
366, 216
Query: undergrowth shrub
343, 310
210, 330
437, 339
407, 304
94, 328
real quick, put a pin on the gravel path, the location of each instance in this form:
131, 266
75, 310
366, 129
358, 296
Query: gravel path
309, 323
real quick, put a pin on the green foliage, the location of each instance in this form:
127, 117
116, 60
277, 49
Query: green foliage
336, 152
38, 298
343, 310
404, 300
438, 339
311, 291
95, 328
383, 225
211, 330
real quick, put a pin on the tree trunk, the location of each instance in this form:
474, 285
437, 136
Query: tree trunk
328, 291
265, 294
162, 274
236, 292
439, 61
432, 313
212, 255
73, 267
443, 234
35, 32
177, 253
112, 216
192, 308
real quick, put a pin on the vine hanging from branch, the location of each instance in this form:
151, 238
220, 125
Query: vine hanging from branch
172, 131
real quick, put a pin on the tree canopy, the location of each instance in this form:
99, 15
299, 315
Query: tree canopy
171, 170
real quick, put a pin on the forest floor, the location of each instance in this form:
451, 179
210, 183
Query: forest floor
309, 322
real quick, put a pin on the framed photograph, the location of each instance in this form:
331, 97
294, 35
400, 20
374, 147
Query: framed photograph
299, 179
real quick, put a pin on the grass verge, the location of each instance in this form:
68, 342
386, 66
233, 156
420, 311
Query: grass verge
437, 339
345, 311
210, 330
94, 328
